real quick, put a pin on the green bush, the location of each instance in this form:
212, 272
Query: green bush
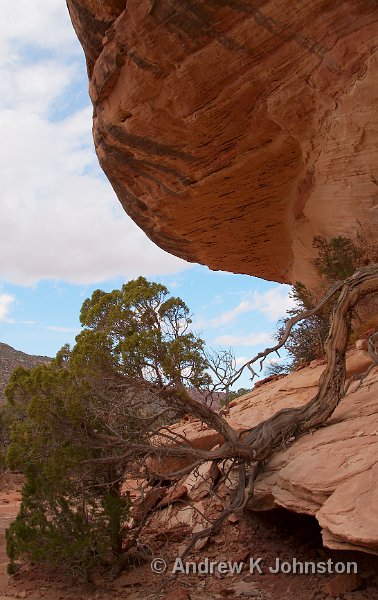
337, 259
72, 508
307, 338
238, 393
72, 424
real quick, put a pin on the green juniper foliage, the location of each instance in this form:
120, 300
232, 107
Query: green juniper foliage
239, 392
71, 510
72, 422
308, 337
149, 333
338, 258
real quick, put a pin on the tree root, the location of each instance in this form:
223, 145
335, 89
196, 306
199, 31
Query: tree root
256, 445
251, 448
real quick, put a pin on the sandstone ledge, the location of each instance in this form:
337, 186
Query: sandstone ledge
331, 474
235, 132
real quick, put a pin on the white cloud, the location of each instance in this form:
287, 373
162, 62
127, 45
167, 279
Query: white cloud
275, 361
6, 301
273, 304
230, 315
60, 218
253, 339
42, 23
59, 329
241, 360
33, 88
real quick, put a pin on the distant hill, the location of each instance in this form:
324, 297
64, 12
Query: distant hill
212, 399
11, 358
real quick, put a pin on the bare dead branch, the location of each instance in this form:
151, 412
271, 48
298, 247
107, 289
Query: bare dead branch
373, 339
261, 356
288, 424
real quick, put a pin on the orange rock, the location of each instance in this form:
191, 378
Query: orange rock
173, 495
241, 556
346, 582
235, 134
174, 534
331, 473
147, 502
198, 435
200, 481
178, 594
267, 380
357, 362
362, 344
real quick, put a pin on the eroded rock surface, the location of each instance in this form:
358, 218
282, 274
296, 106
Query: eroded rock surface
234, 131
331, 473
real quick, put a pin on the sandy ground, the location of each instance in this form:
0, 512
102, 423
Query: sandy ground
267, 535
9, 502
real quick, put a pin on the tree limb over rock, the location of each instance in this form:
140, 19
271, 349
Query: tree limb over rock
251, 448
248, 450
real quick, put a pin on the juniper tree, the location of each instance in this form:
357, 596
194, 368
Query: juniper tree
99, 363
72, 422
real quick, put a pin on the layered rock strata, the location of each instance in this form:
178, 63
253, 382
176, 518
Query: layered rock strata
331, 473
235, 131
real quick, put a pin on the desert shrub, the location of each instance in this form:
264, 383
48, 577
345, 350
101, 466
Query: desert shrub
307, 339
365, 242
237, 393
337, 258
277, 368
72, 424
72, 508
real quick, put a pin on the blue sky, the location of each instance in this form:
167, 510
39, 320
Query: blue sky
63, 233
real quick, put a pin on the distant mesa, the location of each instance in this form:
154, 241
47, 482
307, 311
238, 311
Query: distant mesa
11, 358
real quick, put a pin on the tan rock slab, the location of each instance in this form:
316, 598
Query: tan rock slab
330, 473
351, 512
173, 495
357, 362
142, 507
200, 481
178, 594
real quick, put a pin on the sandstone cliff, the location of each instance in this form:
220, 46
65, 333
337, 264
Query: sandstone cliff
330, 474
234, 131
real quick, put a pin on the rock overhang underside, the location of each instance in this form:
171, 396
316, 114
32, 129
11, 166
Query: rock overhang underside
234, 132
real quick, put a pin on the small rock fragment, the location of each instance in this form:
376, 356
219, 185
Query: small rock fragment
178, 594
346, 582
173, 496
